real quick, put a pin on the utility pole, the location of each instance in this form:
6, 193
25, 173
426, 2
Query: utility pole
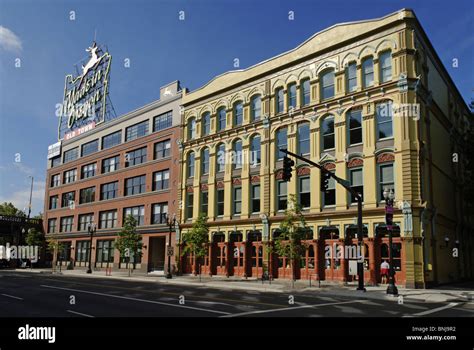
31, 195
346, 184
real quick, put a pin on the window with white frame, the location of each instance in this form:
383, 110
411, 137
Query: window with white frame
354, 119
351, 77
368, 72
386, 179
357, 182
385, 61
205, 161
327, 84
304, 188
282, 198
328, 133
384, 119
256, 107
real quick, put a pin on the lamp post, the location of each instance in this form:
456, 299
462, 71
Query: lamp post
171, 221
91, 228
389, 197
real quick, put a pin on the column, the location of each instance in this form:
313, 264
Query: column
370, 165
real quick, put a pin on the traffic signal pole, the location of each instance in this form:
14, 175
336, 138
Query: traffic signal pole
346, 185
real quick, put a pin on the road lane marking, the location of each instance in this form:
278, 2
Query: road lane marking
427, 312
135, 299
12, 296
294, 308
80, 314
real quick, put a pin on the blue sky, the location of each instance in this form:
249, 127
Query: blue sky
161, 49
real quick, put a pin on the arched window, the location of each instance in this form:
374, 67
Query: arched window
351, 77
368, 72
205, 161
327, 84
303, 139
238, 113
191, 128
191, 164
237, 154
292, 96
384, 120
282, 142
220, 157
206, 124
328, 133
385, 61
221, 119
279, 102
305, 92
256, 107
354, 121
255, 156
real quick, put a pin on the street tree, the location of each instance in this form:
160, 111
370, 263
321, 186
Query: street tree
128, 242
292, 232
11, 210
196, 240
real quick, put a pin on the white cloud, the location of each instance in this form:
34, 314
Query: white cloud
9, 41
20, 199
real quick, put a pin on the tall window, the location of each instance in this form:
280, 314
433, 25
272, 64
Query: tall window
220, 202
55, 180
292, 96
67, 199
237, 198
83, 249
67, 224
112, 140
305, 92
327, 84
368, 72
137, 212
135, 131
71, 155
282, 142
282, 195
190, 164
191, 128
355, 126
161, 180
162, 149
206, 124
256, 107
205, 161
303, 139
52, 225
386, 179
237, 156
55, 161
110, 164
329, 197
159, 213
189, 205
279, 100
105, 251
385, 61
357, 182
85, 220
163, 121
108, 219
87, 195
221, 119
70, 176
328, 133
220, 157
255, 149
89, 148
204, 202
351, 77
53, 202
255, 198
135, 185
135, 157
109, 190
304, 192
88, 170
384, 120
238, 113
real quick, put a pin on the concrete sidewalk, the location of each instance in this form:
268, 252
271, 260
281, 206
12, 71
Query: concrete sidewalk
460, 292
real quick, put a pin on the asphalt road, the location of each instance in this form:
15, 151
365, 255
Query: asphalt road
38, 295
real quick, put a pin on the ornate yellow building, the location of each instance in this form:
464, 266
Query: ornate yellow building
369, 100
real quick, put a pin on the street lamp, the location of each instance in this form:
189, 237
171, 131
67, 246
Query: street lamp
389, 199
91, 228
171, 221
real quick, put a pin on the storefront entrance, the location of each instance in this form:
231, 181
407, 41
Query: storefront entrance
156, 255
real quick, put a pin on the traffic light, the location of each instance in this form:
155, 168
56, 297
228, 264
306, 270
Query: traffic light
287, 168
325, 176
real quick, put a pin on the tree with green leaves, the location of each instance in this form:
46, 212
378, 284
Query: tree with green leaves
34, 237
11, 210
293, 231
196, 240
129, 242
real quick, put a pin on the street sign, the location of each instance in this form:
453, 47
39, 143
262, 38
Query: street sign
170, 251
